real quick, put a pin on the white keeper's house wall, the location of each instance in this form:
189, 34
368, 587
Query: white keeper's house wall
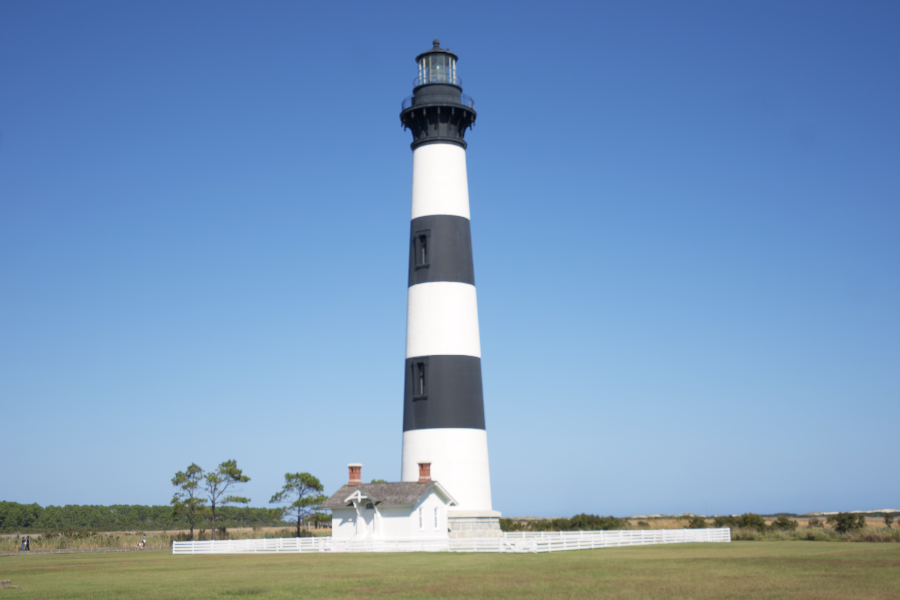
343, 523
426, 519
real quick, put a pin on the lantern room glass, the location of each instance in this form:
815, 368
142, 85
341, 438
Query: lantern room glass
437, 68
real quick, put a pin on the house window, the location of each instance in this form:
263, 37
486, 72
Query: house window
370, 506
421, 248
435, 517
420, 379
421, 520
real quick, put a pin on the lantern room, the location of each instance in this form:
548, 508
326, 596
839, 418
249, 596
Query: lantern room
437, 66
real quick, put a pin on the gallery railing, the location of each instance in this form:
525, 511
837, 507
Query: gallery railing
463, 101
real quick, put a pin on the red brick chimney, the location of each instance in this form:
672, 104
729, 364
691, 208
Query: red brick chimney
355, 473
424, 472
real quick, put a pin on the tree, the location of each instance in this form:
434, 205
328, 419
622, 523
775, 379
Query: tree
888, 519
844, 522
379, 481
585, 522
216, 484
304, 489
726, 521
320, 519
185, 501
15, 518
784, 523
696, 522
751, 521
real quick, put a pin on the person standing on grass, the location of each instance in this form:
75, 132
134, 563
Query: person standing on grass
27, 543
143, 541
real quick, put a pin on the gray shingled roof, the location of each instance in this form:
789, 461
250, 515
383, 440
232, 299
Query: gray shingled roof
384, 494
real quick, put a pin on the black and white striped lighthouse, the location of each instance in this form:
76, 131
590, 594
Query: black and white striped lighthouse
443, 407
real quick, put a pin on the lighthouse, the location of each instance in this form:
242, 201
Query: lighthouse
443, 405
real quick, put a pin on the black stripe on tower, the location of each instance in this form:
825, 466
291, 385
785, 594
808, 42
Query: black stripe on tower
440, 249
443, 392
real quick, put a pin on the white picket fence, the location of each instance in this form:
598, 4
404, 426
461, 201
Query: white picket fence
561, 541
554, 541
310, 544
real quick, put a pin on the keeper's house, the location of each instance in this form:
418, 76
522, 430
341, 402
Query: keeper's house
390, 511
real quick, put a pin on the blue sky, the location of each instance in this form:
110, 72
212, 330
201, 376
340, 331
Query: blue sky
685, 222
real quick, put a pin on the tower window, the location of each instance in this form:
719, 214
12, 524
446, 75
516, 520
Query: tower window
421, 248
420, 379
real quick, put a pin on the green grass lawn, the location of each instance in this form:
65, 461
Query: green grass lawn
737, 570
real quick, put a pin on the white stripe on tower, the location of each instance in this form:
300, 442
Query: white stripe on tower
443, 421
442, 318
440, 181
